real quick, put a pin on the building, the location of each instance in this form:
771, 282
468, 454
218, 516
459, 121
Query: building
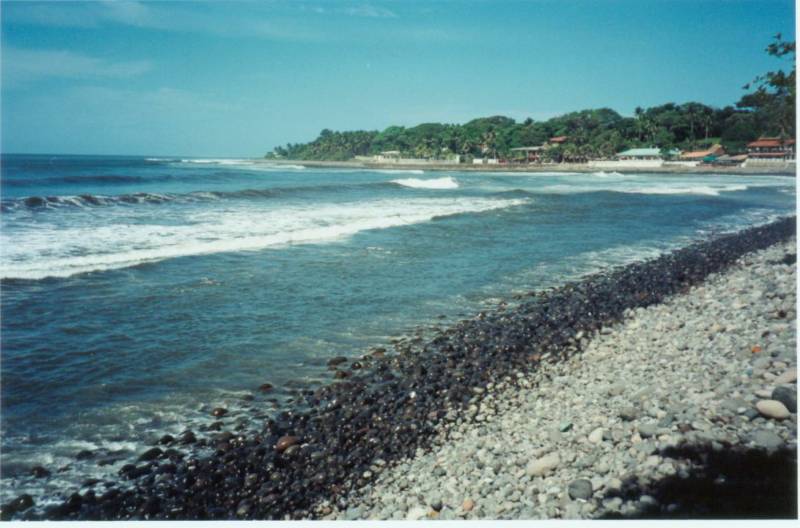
709, 154
558, 140
644, 154
528, 154
773, 149
635, 158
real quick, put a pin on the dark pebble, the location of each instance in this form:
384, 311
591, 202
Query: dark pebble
151, 454
337, 361
84, 455
787, 396
265, 387
166, 439
285, 442
580, 489
219, 412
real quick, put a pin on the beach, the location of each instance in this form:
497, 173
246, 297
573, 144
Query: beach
526, 397
662, 415
520, 168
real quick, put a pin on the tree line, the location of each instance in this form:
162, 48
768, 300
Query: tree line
769, 109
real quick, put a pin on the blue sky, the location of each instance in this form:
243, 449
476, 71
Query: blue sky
236, 79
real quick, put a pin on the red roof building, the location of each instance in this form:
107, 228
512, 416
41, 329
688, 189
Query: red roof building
771, 148
558, 139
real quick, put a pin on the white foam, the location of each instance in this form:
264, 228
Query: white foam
400, 171
219, 161
130, 237
436, 183
706, 190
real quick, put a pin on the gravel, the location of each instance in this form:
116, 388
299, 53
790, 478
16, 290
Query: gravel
561, 441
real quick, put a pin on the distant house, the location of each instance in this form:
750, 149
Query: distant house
635, 158
707, 155
558, 140
771, 149
644, 154
528, 154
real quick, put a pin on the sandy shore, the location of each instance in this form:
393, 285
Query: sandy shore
618, 430
560, 167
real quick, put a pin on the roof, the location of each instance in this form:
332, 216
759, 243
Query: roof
700, 154
770, 142
640, 152
558, 139
390, 152
524, 149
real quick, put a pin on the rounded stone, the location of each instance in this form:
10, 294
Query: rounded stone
580, 489
543, 465
285, 442
773, 409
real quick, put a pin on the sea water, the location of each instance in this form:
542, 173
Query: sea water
140, 293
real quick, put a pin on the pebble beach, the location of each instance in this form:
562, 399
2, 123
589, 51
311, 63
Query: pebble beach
663, 388
713, 367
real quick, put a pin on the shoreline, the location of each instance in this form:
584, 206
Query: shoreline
663, 424
535, 169
388, 405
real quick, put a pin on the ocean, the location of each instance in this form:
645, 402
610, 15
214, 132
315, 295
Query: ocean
138, 294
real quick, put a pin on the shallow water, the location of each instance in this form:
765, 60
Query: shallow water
137, 294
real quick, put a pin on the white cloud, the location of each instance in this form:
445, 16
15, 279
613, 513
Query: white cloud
23, 65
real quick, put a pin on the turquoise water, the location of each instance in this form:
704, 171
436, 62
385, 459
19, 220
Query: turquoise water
137, 294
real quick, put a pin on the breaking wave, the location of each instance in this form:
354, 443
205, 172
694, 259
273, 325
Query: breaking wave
437, 183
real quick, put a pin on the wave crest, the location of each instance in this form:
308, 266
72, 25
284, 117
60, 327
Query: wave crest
436, 183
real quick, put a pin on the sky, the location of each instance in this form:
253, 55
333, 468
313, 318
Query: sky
239, 78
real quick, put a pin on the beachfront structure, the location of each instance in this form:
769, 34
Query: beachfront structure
771, 149
558, 140
635, 158
643, 154
529, 154
707, 155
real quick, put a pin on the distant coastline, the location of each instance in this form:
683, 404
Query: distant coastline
783, 170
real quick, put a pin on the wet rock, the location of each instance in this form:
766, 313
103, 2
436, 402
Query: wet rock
151, 454
84, 455
188, 438
20, 504
166, 439
333, 362
285, 442
219, 412
265, 387
580, 489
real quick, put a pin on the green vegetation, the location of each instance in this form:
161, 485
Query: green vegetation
769, 110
